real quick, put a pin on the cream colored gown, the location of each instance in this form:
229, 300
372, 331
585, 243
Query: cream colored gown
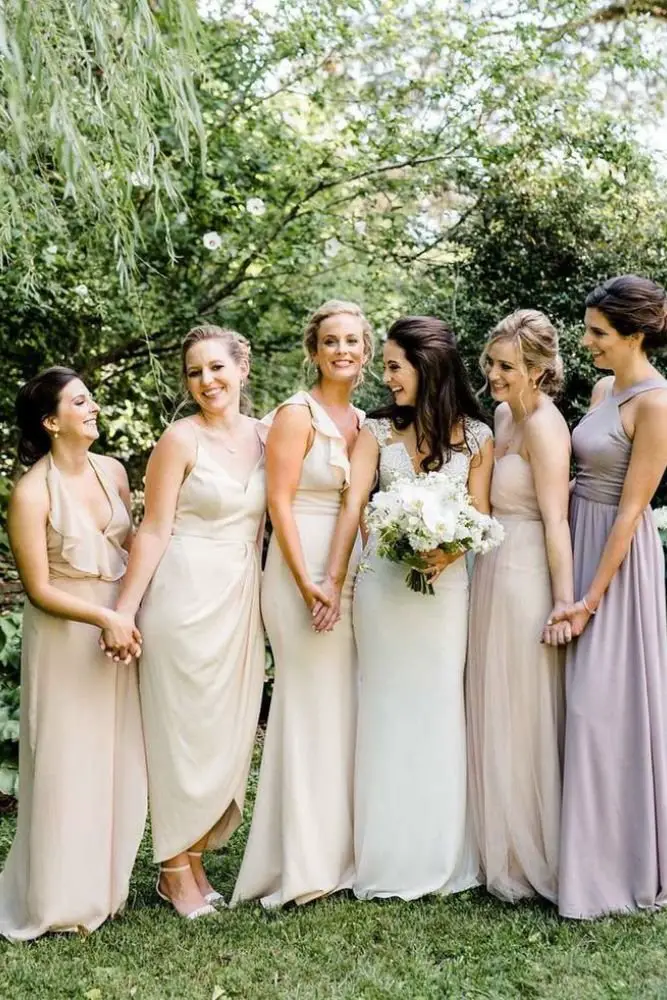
202, 666
412, 829
515, 699
82, 773
300, 843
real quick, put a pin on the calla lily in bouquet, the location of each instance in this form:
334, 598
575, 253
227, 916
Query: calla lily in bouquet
430, 511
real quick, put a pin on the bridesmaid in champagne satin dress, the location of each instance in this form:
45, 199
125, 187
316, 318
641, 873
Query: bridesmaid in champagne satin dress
300, 845
197, 557
82, 795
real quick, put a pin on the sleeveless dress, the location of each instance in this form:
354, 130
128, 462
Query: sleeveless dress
300, 843
515, 698
202, 666
614, 813
411, 819
82, 772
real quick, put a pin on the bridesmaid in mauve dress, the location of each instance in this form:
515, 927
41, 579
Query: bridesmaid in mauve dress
197, 559
515, 682
614, 814
300, 843
82, 771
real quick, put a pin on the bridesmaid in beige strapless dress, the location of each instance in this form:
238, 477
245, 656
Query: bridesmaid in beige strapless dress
515, 698
82, 772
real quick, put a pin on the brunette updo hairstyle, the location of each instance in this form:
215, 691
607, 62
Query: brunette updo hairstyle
238, 348
35, 401
536, 340
633, 305
444, 393
335, 307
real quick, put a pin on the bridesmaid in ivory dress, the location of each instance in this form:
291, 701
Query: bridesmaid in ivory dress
515, 681
197, 559
412, 834
614, 814
300, 843
82, 771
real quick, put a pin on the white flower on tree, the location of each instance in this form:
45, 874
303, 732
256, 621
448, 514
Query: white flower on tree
140, 179
360, 227
332, 247
212, 240
81, 291
255, 206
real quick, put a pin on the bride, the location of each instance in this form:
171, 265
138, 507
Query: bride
412, 834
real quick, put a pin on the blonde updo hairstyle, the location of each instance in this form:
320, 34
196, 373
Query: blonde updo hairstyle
335, 307
536, 340
237, 346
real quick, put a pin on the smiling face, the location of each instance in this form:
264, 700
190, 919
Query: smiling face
509, 379
400, 377
609, 350
75, 419
340, 353
213, 377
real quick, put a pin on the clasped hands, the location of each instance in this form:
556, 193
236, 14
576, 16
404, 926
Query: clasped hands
324, 601
120, 639
565, 623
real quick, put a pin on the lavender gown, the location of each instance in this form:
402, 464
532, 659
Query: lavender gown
614, 813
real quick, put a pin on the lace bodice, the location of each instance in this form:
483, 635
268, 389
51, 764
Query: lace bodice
395, 460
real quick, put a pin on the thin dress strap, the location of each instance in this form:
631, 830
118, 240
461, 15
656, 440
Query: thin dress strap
646, 385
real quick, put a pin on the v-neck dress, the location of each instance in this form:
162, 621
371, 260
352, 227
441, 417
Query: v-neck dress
202, 665
82, 770
300, 844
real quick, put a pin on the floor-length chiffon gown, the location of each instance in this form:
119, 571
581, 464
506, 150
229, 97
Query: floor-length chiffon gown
300, 843
515, 698
82, 770
413, 833
202, 665
614, 813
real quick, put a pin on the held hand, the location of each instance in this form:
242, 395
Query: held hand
325, 617
120, 639
314, 596
576, 614
555, 632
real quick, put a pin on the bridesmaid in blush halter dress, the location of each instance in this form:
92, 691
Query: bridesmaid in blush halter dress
197, 559
515, 682
82, 770
300, 843
614, 814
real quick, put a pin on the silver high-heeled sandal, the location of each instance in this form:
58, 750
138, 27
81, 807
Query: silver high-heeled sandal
213, 898
199, 911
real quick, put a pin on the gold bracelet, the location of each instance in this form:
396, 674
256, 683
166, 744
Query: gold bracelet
590, 610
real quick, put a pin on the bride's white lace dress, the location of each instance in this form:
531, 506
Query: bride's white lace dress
412, 830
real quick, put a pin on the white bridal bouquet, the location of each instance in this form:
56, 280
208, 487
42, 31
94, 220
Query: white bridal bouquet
660, 517
431, 511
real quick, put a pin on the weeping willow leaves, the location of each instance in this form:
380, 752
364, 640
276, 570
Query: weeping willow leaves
85, 89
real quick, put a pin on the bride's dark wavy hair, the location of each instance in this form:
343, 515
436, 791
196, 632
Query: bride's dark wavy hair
444, 393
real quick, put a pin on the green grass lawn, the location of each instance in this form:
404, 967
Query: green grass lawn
468, 946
